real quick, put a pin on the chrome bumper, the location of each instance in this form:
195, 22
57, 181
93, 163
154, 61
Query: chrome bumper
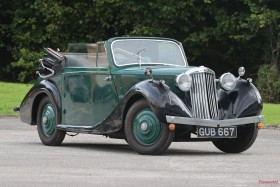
214, 123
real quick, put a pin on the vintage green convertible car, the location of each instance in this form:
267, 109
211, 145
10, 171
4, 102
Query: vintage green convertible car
140, 89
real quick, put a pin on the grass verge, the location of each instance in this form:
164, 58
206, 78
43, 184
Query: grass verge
271, 114
11, 95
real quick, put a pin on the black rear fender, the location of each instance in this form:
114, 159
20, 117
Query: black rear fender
29, 106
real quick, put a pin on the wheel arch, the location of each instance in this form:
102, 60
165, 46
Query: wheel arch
35, 107
30, 104
134, 98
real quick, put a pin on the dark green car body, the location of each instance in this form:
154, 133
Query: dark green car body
96, 96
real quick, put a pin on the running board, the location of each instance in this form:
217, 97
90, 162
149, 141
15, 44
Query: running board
75, 128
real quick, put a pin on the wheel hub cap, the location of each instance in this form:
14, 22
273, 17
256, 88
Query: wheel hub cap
45, 120
48, 120
146, 127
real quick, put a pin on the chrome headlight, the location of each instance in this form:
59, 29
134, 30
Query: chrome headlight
227, 81
184, 82
241, 71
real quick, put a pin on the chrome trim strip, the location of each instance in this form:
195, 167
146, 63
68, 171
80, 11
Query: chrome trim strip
257, 93
214, 123
210, 98
205, 97
49, 69
200, 69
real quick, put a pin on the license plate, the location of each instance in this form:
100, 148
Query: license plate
216, 132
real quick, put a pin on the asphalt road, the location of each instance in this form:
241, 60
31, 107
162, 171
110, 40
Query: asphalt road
90, 160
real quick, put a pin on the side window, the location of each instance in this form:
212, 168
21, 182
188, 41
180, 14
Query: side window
91, 54
87, 55
81, 54
102, 60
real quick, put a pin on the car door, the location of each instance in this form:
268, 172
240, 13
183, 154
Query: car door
89, 92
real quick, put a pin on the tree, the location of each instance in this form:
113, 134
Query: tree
213, 32
32, 25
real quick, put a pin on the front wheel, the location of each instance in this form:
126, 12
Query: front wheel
246, 136
46, 123
144, 132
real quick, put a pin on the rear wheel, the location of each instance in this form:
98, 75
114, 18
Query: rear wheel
246, 136
144, 132
46, 123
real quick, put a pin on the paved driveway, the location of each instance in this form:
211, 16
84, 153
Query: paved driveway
90, 160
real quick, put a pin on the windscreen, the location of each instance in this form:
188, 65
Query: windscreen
147, 52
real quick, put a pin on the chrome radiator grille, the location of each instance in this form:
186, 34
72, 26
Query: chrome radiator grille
204, 96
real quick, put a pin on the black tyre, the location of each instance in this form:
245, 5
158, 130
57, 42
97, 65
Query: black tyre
46, 123
246, 136
144, 132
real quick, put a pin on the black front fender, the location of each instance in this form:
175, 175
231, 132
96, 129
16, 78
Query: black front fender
29, 105
160, 98
243, 101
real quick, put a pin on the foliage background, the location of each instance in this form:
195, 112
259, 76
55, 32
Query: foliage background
219, 34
